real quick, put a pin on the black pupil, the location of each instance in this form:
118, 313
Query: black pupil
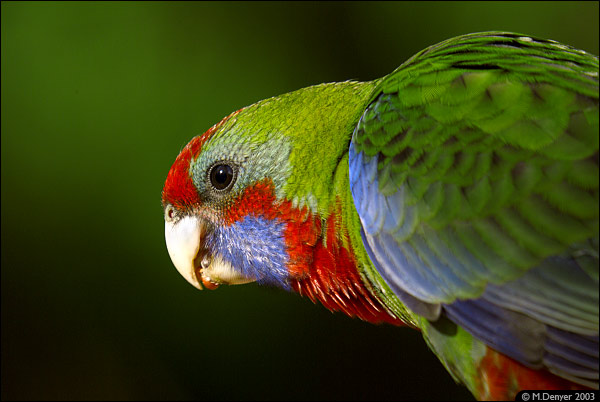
221, 176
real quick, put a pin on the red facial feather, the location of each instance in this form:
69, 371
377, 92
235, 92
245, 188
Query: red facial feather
258, 199
179, 190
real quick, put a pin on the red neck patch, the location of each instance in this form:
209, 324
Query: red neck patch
327, 272
179, 190
324, 271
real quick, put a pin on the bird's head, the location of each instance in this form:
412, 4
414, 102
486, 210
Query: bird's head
249, 199
221, 222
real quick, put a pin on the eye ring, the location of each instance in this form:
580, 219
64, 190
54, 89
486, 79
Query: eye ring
222, 175
170, 213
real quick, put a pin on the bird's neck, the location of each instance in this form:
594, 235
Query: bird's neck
323, 264
315, 251
328, 272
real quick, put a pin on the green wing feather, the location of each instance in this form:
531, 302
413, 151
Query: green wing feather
500, 131
474, 171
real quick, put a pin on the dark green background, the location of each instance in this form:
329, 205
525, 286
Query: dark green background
97, 101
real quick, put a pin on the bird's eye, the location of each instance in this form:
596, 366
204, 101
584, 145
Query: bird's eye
170, 213
221, 176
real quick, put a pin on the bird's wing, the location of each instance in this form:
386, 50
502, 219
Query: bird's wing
474, 171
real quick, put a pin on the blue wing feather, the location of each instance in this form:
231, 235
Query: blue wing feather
526, 318
440, 198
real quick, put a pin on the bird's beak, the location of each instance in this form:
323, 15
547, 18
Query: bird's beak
185, 239
183, 243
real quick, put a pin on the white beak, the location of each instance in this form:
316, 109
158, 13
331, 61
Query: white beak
184, 238
183, 243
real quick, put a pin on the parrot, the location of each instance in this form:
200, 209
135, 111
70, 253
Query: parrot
457, 196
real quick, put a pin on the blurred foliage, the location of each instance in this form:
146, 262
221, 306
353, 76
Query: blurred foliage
97, 100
